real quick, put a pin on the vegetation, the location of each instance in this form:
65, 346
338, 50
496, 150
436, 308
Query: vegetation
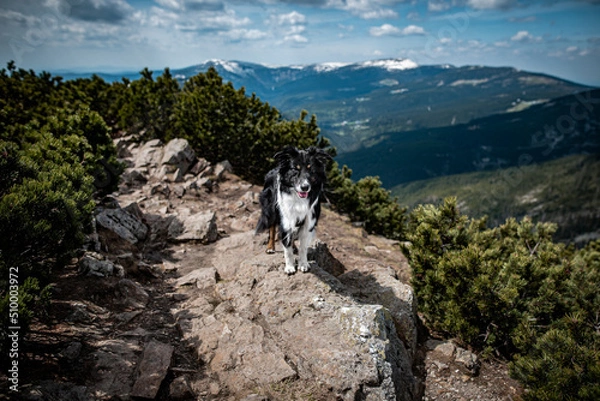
564, 191
512, 291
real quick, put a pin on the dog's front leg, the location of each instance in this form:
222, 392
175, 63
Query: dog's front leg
288, 251
305, 239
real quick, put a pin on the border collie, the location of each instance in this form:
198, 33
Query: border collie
290, 200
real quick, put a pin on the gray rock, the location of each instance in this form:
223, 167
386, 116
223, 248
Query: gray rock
179, 154
200, 227
94, 264
469, 360
199, 167
71, 351
52, 390
201, 278
131, 294
180, 389
149, 155
124, 224
270, 327
113, 367
152, 369
221, 168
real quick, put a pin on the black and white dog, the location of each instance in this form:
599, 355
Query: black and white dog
290, 200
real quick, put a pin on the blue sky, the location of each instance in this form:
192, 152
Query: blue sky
560, 38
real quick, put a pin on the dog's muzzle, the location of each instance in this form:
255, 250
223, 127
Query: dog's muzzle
303, 190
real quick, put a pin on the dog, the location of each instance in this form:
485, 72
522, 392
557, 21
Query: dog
290, 199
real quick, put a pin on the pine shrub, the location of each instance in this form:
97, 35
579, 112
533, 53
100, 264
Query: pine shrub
512, 291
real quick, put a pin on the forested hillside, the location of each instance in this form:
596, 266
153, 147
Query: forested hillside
509, 291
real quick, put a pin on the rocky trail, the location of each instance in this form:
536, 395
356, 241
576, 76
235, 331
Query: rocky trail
175, 299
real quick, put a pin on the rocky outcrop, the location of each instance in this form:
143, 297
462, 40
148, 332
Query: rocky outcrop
267, 327
183, 303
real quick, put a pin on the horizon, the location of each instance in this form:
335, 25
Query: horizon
558, 38
115, 71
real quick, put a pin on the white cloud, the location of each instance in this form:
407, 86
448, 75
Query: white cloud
384, 30
244, 34
413, 30
293, 18
390, 30
295, 39
366, 9
491, 4
525, 37
438, 5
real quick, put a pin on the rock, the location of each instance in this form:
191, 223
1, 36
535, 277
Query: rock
199, 167
468, 360
200, 227
131, 294
149, 155
201, 278
123, 223
180, 389
113, 365
94, 264
160, 188
222, 168
134, 176
270, 327
179, 155
446, 348
152, 369
71, 351
179, 191
321, 254
52, 390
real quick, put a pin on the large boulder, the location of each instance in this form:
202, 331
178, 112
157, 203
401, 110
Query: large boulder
257, 326
178, 155
199, 227
126, 223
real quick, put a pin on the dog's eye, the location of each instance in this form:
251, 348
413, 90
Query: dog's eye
308, 166
298, 167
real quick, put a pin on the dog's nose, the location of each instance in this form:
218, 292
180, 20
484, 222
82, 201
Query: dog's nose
305, 187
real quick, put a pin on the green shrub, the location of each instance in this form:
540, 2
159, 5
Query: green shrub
222, 123
146, 105
367, 202
483, 285
513, 291
563, 363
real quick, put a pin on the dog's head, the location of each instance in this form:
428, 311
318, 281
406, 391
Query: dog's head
302, 170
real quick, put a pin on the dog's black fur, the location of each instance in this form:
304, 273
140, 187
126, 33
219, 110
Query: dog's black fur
290, 200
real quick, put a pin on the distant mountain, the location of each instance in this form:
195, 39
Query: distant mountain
355, 102
560, 127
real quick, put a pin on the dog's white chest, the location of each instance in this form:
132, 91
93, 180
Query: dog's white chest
293, 210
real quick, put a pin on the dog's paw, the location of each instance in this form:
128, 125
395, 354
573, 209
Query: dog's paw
289, 269
270, 251
304, 267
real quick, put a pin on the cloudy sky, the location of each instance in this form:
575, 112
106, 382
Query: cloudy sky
556, 37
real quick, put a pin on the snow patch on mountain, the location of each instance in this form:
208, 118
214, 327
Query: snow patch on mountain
331, 66
390, 64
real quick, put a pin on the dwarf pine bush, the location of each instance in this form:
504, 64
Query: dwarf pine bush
512, 291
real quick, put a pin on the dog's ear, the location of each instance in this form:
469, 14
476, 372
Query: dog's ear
320, 155
283, 158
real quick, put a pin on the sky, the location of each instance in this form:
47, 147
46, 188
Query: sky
555, 37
